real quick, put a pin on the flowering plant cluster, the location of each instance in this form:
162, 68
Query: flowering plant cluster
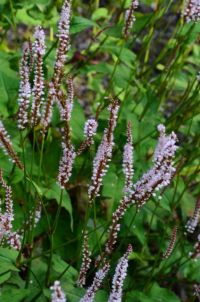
92, 189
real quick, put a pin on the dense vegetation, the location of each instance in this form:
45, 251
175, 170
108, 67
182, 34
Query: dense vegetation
114, 171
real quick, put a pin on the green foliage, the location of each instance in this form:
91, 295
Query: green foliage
154, 74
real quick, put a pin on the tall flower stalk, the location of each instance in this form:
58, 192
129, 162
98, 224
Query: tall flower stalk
90, 129
119, 276
68, 152
7, 234
128, 160
96, 284
104, 153
85, 262
158, 177
129, 18
171, 245
63, 47
25, 89
7, 146
38, 87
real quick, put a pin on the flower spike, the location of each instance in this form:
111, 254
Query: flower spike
86, 261
158, 177
171, 245
128, 160
129, 18
104, 153
97, 281
118, 279
7, 146
24, 90
38, 88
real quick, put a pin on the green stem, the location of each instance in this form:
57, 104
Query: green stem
52, 232
95, 227
41, 158
22, 140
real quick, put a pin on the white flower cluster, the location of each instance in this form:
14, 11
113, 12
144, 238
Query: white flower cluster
24, 90
85, 263
192, 11
57, 293
128, 160
63, 46
64, 40
156, 178
38, 88
100, 165
113, 231
97, 281
171, 245
6, 145
66, 163
67, 105
90, 129
39, 43
193, 221
130, 18
64, 22
161, 173
119, 276
13, 239
104, 153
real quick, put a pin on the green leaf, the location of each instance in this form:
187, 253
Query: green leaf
77, 122
23, 17
114, 31
36, 187
17, 176
156, 294
99, 13
7, 260
54, 193
16, 294
8, 85
73, 294
159, 294
79, 24
6, 265
59, 266
4, 277
8, 254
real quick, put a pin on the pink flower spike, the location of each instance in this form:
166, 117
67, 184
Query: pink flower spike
38, 88
104, 153
85, 262
97, 281
24, 90
128, 160
119, 276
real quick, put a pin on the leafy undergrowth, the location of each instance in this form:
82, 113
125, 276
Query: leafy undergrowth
153, 74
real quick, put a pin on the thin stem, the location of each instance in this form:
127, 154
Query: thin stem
52, 232
95, 226
41, 158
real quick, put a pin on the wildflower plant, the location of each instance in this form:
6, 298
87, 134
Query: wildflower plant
99, 157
